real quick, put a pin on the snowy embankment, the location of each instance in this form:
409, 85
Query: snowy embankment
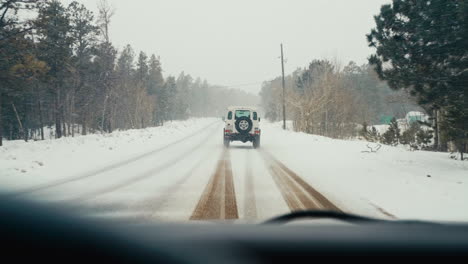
393, 181
27, 164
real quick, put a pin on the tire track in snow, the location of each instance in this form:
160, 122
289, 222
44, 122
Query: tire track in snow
297, 193
209, 205
110, 167
288, 195
230, 203
154, 204
250, 205
144, 210
150, 173
218, 200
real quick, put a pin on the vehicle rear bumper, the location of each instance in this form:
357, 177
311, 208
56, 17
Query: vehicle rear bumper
241, 137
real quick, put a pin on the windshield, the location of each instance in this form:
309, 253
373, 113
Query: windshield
242, 113
135, 110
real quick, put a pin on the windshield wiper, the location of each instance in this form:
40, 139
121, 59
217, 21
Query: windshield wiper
350, 218
322, 214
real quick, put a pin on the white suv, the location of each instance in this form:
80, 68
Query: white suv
242, 124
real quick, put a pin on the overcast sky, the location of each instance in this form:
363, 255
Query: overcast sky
237, 42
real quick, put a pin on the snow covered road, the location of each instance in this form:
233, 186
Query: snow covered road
181, 171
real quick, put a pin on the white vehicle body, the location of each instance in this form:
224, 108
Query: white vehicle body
242, 123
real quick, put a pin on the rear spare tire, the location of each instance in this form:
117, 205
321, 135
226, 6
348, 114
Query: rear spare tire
243, 125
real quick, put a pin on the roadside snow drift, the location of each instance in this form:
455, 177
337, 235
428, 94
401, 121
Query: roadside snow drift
25, 164
392, 182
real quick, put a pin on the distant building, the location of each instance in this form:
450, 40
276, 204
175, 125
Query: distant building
403, 123
415, 116
385, 119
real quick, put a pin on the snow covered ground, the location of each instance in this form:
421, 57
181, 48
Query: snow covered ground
160, 173
27, 164
406, 184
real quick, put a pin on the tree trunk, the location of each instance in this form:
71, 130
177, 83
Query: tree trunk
57, 112
464, 149
41, 121
64, 127
22, 129
65, 107
84, 119
112, 123
436, 130
72, 113
68, 115
104, 114
326, 123
443, 141
83, 124
11, 131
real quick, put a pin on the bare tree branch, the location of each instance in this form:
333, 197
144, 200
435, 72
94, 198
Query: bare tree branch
372, 149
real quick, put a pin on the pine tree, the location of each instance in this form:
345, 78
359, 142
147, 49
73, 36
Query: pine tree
374, 135
123, 111
155, 87
103, 84
364, 131
408, 137
84, 36
184, 84
425, 52
168, 101
15, 49
142, 68
392, 135
55, 48
424, 138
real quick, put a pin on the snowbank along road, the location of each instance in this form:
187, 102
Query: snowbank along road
191, 176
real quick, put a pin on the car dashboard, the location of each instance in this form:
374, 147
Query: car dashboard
49, 235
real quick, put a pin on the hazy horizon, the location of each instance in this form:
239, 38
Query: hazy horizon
237, 44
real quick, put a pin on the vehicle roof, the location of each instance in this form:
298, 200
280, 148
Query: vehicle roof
253, 108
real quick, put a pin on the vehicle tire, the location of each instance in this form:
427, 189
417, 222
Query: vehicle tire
243, 125
256, 143
226, 143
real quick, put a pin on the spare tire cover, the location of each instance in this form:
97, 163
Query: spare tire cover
243, 124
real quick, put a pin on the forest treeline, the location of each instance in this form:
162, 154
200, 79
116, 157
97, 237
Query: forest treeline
60, 69
329, 100
421, 57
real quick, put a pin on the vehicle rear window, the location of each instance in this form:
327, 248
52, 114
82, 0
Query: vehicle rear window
254, 115
229, 115
242, 113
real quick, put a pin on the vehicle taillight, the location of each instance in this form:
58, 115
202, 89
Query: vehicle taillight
227, 131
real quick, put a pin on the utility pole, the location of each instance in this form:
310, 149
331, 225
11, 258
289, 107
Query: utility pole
284, 104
